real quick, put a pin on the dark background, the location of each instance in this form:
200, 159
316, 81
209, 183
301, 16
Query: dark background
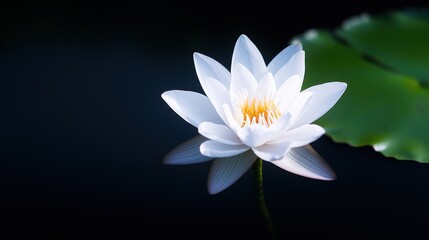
83, 129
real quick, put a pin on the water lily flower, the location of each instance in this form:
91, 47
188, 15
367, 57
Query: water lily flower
254, 111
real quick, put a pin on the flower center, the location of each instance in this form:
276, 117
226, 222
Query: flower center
259, 111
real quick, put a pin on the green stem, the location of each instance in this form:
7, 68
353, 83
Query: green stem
257, 170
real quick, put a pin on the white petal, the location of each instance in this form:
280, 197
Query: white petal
253, 135
226, 171
242, 80
305, 161
256, 135
218, 95
267, 86
219, 133
278, 127
288, 91
246, 53
193, 107
212, 148
295, 66
283, 57
208, 67
187, 153
324, 98
231, 122
301, 136
299, 105
272, 152
281, 124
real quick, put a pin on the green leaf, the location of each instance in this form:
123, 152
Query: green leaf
384, 60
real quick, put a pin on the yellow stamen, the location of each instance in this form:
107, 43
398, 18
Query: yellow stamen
259, 111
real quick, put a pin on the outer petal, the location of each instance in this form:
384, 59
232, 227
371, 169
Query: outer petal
246, 53
272, 152
305, 161
295, 66
215, 149
219, 133
324, 98
299, 105
283, 57
187, 153
193, 107
208, 67
242, 80
226, 171
218, 95
301, 136
288, 91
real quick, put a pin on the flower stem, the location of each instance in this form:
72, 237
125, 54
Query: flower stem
257, 171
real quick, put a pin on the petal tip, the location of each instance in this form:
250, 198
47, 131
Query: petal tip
328, 176
244, 40
204, 151
343, 84
332, 177
212, 190
167, 160
243, 37
166, 95
197, 56
342, 87
164, 160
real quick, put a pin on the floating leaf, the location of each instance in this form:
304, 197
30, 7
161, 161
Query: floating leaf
385, 61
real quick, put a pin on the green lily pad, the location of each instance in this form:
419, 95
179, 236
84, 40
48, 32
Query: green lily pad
384, 59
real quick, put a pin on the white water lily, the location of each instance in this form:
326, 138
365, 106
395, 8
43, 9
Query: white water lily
256, 110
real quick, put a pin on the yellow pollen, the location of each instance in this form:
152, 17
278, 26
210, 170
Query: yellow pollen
259, 111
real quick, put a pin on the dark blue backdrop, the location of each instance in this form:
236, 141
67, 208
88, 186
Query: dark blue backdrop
83, 130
